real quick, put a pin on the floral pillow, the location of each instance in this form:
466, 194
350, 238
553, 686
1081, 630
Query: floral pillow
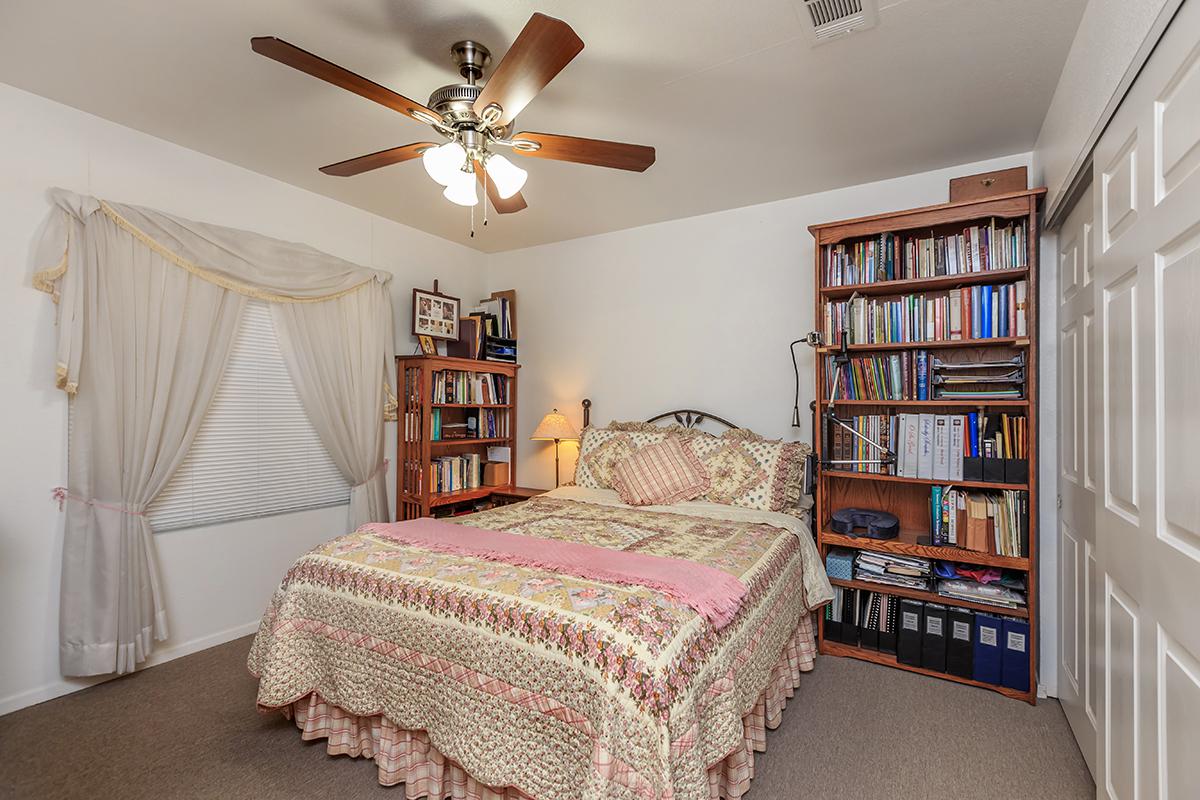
747, 470
660, 474
601, 449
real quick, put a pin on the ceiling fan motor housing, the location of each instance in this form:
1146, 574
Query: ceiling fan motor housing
454, 103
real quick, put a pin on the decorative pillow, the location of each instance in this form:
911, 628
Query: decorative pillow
660, 474
601, 449
747, 470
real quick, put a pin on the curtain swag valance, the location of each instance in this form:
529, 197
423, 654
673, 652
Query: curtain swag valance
148, 310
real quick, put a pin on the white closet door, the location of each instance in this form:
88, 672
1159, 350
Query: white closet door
1146, 182
1079, 671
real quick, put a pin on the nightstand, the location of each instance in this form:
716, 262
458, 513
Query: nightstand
514, 494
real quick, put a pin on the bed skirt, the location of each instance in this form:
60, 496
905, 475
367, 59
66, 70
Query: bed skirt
408, 757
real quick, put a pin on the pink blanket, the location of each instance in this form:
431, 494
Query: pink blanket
715, 594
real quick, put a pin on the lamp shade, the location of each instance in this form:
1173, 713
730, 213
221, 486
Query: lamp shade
554, 426
461, 189
508, 177
443, 163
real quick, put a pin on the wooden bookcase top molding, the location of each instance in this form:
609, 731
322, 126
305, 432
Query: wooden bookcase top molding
1008, 206
416, 449
908, 497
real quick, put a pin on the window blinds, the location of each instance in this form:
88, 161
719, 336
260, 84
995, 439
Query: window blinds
256, 452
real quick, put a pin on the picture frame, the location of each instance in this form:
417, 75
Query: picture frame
428, 346
435, 314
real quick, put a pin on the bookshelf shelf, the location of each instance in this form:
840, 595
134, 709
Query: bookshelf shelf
933, 403
470, 440
1006, 341
1016, 226
471, 405
908, 544
833, 648
931, 597
438, 499
924, 284
836, 474
418, 453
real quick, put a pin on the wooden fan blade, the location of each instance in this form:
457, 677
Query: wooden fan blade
544, 47
510, 206
597, 152
314, 65
384, 158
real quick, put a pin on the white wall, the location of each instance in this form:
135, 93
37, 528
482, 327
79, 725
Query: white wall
1112, 36
698, 313
217, 580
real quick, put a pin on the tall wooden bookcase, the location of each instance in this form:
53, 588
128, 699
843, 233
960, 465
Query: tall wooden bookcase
909, 498
416, 449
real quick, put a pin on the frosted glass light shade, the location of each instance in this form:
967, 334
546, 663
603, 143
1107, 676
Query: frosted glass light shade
442, 162
554, 426
461, 189
508, 177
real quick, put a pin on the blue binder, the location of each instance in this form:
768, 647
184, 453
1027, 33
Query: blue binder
1016, 654
987, 660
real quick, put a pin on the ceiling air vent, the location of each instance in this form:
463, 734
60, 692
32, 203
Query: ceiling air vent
833, 19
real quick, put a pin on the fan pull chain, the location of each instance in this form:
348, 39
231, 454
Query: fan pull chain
485, 194
472, 222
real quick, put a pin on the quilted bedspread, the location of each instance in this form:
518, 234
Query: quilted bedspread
561, 687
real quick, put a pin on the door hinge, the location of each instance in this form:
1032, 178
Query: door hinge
1060, 502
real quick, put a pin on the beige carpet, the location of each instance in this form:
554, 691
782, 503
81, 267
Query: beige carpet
188, 729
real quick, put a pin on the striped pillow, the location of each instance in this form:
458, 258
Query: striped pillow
660, 474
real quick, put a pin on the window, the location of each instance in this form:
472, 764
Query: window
256, 452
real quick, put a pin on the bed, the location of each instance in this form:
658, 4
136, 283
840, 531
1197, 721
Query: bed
477, 678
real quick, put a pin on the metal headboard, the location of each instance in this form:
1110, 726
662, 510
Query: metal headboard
687, 417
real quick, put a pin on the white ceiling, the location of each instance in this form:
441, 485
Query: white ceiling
741, 108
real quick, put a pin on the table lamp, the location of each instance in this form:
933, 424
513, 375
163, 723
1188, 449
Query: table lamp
554, 427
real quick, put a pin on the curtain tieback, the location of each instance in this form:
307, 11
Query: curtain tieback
383, 465
61, 494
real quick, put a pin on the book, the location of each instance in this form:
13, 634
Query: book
907, 449
956, 447
925, 437
941, 447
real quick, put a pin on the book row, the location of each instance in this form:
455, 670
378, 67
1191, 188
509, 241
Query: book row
890, 257
915, 375
972, 312
455, 473
939, 447
982, 647
985, 522
486, 423
460, 386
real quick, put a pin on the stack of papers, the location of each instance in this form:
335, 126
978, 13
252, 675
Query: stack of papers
989, 593
893, 570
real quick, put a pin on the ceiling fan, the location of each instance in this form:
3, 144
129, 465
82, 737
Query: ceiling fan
475, 120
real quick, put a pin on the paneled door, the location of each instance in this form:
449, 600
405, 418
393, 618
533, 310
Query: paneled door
1146, 290
1079, 670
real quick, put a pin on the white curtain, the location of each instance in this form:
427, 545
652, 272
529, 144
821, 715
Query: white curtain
148, 306
336, 372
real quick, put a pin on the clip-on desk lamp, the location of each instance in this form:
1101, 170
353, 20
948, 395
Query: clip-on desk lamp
829, 417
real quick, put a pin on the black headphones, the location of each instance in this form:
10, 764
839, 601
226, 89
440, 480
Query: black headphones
878, 524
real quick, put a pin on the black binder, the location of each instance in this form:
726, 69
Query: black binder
908, 637
959, 647
933, 638
888, 608
850, 616
833, 627
869, 630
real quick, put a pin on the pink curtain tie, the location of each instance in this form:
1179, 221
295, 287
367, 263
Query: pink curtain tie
61, 494
381, 468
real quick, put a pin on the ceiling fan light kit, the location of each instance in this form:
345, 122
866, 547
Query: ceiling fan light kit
475, 120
